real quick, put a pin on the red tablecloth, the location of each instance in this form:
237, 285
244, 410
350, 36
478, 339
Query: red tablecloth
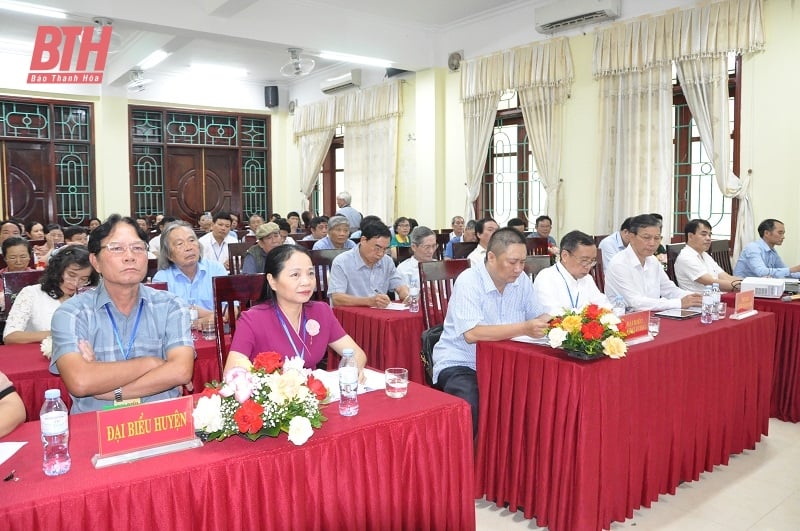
390, 338
399, 464
580, 444
29, 371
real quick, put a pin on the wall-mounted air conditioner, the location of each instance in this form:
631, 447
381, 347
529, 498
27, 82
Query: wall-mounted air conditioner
345, 81
563, 15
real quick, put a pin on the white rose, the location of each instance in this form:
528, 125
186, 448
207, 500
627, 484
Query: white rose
294, 363
556, 337
609, 319
207, 414
47, 346
285, 386
300, 430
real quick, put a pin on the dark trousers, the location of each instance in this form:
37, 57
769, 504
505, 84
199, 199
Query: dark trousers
463, 383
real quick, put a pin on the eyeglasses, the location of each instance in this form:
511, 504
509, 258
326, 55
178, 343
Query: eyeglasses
585, 262
74, 280
118, 248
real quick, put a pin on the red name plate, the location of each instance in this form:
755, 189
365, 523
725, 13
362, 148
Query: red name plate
745, 301
636, 324
131, 428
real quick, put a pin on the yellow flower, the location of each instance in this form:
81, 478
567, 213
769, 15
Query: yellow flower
571, 323
614, 347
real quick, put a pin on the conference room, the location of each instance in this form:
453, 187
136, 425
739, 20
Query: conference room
478, 109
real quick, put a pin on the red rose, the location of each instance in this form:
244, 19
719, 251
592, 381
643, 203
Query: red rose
554, 322
269, 361
593, 311
316, 387
592, 330
209, 391
248, 417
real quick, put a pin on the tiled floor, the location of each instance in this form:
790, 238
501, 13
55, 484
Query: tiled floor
758, 490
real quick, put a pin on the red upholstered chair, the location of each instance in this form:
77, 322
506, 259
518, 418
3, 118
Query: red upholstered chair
14, 281
436, 285
322, 260
228, 290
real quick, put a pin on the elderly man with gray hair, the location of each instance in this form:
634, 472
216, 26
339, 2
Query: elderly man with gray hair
338, 235
423, 246
353, 216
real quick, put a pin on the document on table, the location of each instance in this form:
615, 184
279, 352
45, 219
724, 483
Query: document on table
396, 306
8, 449
532, 340
374, 381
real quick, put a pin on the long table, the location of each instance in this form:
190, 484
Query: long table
28, 370
390, 338
398, 464
579, 445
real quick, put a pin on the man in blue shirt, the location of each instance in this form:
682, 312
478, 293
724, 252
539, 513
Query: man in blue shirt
491, 301
759, 258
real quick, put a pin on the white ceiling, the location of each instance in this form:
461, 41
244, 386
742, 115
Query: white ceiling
255, 34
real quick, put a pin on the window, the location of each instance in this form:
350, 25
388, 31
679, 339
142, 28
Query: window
696, 192
510, 187
331, 177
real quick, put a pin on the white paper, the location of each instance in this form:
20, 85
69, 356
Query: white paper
533, 340
374, 382
8, 449
399, 306
639, 339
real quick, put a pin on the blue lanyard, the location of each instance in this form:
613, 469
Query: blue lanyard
125, 352
577, 295
302, 351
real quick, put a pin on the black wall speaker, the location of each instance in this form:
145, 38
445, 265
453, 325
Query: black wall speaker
271, 96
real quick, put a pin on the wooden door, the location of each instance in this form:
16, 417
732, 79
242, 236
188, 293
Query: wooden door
201, 180
27, 181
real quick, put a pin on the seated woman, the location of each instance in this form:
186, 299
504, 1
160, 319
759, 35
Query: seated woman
423, 245
53, 238
286, 322
17, 252
29, 318
402, 228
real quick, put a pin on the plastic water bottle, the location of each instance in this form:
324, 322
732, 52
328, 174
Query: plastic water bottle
708, 309
348, 384
716, 297
413, 294
55, 434
619, 306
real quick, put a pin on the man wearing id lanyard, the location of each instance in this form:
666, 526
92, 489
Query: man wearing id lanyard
215, 243
122, 341
568, 284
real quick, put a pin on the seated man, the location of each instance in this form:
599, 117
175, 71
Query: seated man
568, 284
636, 275
615, 242
268, 236
154, 247
318, 227
543, 227
457, 223
338, 236
215, 243
759, 258
362, 276
255, 222
122, 340
519, 224
694, 267
491, 301
12, 409
483, 230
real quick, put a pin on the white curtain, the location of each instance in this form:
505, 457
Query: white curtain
314, 126
631, 60
479, 115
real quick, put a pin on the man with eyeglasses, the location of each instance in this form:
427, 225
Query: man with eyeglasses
122, 342
568, 284
363, 275
423, 246
636, 275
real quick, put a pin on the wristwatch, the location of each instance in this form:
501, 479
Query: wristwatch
118, 394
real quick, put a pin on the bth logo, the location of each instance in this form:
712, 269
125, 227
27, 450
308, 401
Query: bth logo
54, 50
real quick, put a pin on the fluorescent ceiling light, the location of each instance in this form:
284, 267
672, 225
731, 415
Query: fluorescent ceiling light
358, 59
218, 70
30, 9
153, 59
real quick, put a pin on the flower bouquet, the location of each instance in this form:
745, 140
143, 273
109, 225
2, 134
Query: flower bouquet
46, 346
272, 396
588, 333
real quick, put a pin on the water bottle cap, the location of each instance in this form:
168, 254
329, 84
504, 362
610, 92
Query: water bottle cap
347, 352
52, 393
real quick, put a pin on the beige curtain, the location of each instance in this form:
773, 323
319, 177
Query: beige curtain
631, 60
314, 126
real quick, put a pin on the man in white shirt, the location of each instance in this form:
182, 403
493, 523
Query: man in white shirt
636, 275
694, 267
568, 284
215, 243
484, 230
614, 243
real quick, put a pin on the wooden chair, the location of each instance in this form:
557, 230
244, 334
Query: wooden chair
597, 272
249, 239
403, 253
537, 246
308, 244
436, 285
322, 260
442, 239
462, 249
236, 254
14, 281
677, 238
598, 238
535, 263
163, 286
673, 250
720, 251
229, 290
152, 268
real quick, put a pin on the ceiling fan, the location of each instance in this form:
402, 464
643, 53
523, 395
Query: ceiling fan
137, 83
297, 66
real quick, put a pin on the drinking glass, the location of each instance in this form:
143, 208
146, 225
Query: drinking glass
654, 325
396, 382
